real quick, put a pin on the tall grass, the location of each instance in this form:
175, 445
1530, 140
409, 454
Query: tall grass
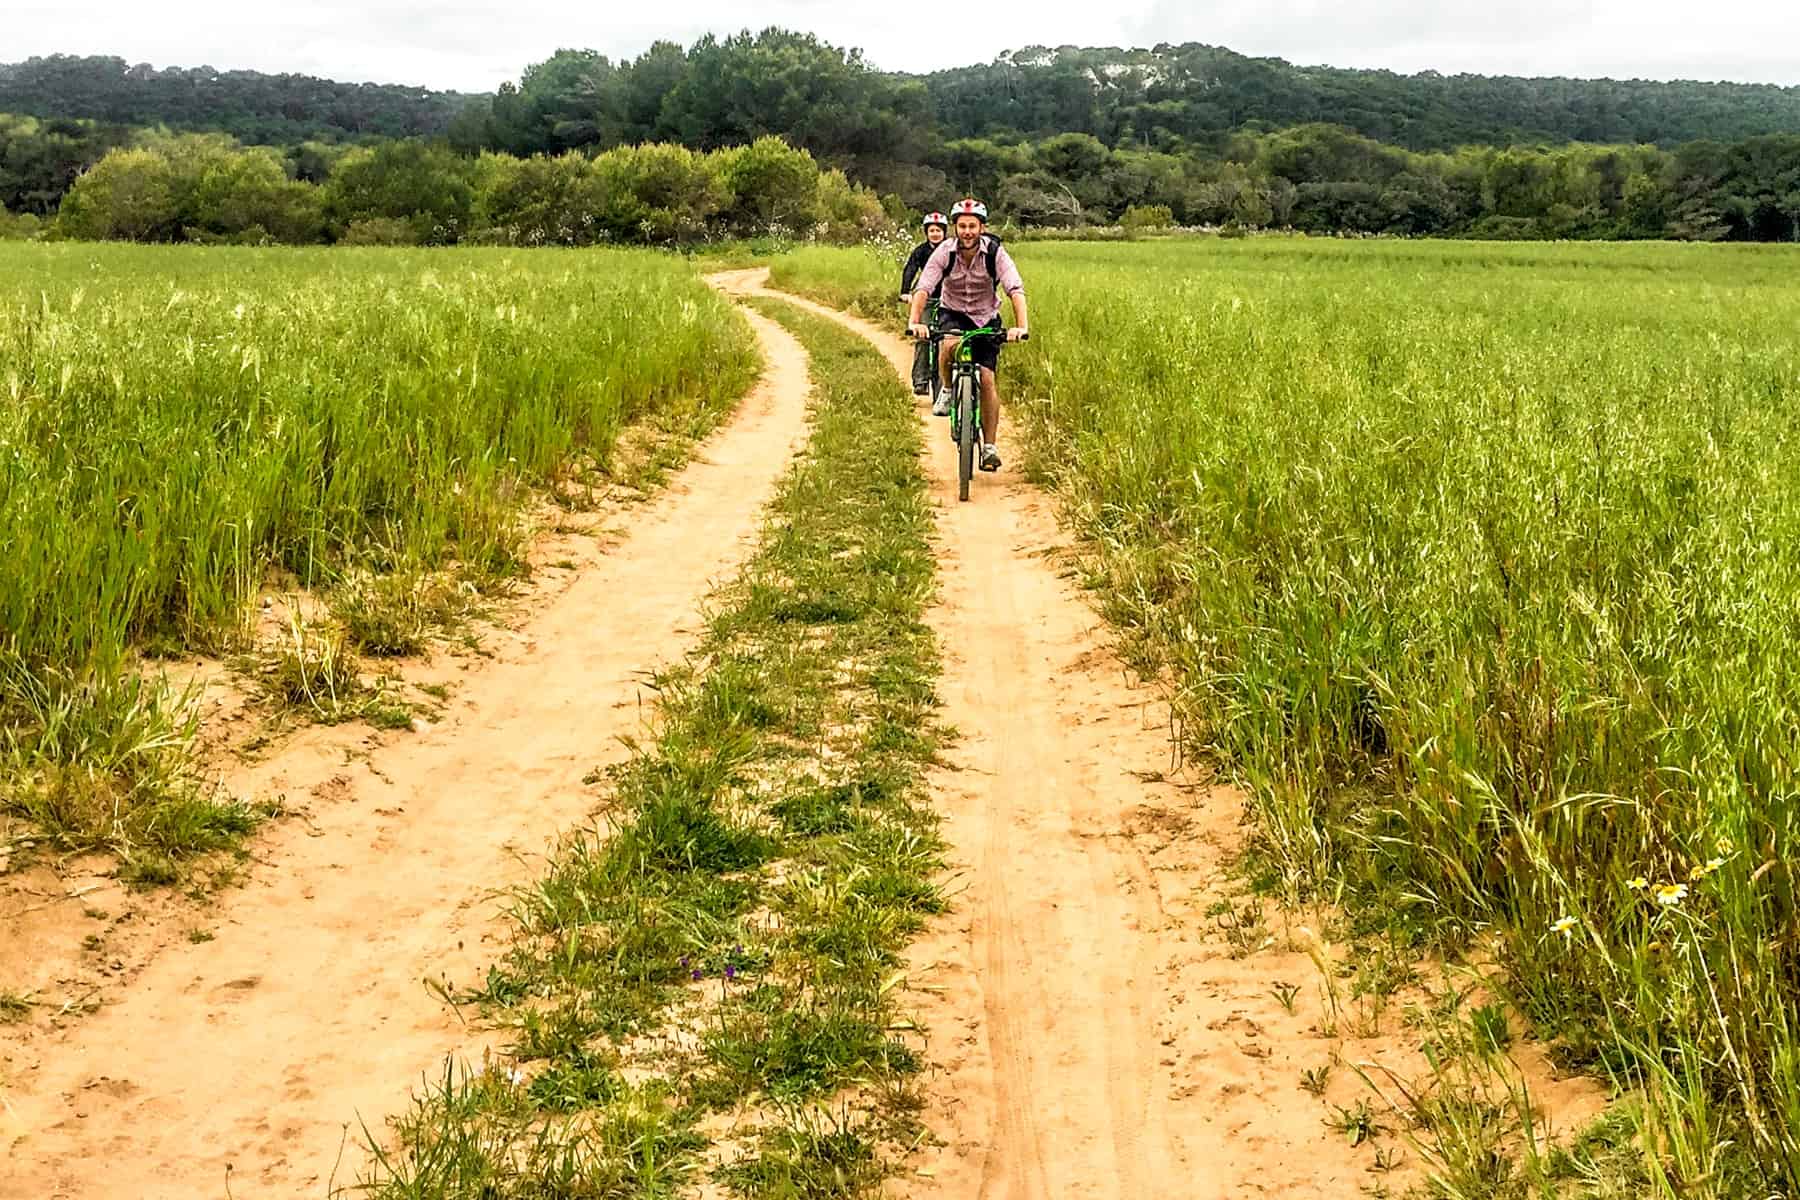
180, 427
1481, 567
173, 423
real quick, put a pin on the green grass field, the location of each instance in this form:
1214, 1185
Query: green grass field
1479, 565
183, 428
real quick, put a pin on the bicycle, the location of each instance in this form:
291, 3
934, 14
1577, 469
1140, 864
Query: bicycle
931, 343
965, 404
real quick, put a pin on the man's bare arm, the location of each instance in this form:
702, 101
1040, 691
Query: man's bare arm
1021, 314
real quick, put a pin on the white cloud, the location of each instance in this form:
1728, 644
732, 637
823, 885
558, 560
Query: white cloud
473, 47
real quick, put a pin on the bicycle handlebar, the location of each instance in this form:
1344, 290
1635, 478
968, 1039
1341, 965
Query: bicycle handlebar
967, 334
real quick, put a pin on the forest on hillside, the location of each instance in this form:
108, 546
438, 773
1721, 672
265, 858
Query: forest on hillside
1194, 135
1193, 93
248, 105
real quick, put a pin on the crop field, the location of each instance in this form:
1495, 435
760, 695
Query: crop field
180, 430
1479, 566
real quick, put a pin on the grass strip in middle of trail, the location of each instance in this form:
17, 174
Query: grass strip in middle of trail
704, 984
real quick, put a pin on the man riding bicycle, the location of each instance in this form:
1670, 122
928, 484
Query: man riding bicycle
937, 227
972, 269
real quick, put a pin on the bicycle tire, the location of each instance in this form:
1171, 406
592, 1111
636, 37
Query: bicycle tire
966, 439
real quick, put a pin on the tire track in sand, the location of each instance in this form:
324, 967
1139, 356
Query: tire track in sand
246, 1056
1093, 1035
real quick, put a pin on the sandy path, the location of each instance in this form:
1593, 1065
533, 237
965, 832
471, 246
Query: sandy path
1096, 1035
250, 1053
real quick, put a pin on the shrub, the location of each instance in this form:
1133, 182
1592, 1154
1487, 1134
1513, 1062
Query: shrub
849, 214
1148, 216
128, 195
18, 227
539, 200
658, 193
772, 185
424, 185
379, 231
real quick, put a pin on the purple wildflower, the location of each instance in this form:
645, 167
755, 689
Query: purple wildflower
698, 973
730, 972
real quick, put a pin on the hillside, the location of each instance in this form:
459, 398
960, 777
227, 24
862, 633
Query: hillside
252, 106
1161, 97
1195, 92
1194, 135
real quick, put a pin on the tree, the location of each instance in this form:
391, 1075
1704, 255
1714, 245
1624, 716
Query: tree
771, 184
571, 100
540, 201
40, 160
1037, 198
820, 98
128, 195
1072, 156
975, 166
1417, 203
657, 193
1518, 183
651, 79
428, 186
1644, 208
247, 191
245, 104
312, 162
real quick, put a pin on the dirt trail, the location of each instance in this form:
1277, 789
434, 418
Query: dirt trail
253, 1051
1097, 1033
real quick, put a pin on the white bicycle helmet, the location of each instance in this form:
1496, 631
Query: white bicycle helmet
969, 208
935, 218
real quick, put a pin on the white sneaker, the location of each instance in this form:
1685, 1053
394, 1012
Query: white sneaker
941, 406
990, 457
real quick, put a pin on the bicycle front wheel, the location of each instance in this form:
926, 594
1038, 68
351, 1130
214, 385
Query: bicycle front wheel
968, 437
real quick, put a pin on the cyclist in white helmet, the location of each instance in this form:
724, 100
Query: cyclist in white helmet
937, 227
971, 270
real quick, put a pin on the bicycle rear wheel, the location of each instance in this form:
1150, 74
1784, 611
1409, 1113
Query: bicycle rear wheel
967, 438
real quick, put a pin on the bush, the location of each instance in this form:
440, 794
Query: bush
539, 200
379, 231
1148, 216
194, 188
18, 227
206, 188
663, 194
246, 196
772, 186
849, 214
128, 195
424, 185
1504, 229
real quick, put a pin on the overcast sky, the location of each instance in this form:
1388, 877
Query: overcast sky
469, 46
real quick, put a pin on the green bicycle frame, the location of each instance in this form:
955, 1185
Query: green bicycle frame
965, 404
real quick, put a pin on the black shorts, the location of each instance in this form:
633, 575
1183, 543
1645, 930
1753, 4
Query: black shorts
987, 350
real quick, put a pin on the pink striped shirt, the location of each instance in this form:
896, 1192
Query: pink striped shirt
967, 288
